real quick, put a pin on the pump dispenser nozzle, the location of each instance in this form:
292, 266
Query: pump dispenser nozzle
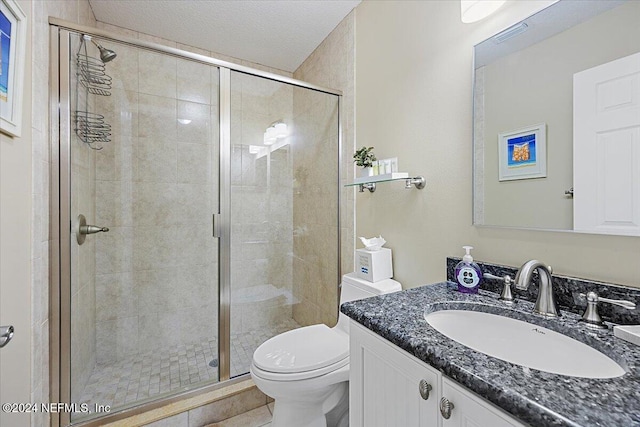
467, 257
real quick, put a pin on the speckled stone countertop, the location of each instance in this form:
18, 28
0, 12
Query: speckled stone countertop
534, 397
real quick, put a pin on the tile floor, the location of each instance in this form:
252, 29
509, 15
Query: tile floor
149, 375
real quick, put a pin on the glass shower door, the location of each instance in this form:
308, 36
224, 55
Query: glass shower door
144, 294
283, 211
204, 219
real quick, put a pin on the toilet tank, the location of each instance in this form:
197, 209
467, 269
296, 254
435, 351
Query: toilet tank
354, 288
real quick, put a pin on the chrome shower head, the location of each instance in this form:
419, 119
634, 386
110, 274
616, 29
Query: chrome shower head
106, 55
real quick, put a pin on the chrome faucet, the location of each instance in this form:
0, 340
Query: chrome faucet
546, 302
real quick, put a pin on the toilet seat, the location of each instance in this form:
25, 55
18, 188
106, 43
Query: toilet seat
302, 353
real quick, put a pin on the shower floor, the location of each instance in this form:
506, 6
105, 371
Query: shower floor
148, 375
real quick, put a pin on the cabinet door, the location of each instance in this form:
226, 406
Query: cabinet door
470, 410
384, 385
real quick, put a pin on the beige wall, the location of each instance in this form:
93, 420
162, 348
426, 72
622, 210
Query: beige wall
15, 246
413, 100
541, 98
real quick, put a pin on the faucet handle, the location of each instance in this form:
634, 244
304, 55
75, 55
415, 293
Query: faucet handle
591, 316
619, 302
506, 295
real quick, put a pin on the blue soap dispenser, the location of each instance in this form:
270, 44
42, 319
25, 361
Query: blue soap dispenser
468, 273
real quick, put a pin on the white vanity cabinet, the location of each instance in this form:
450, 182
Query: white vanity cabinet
471, 410
388, 387
384, 384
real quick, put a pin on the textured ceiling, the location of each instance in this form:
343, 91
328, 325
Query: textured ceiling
280, 34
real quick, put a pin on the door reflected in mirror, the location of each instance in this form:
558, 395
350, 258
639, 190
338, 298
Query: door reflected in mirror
574, 67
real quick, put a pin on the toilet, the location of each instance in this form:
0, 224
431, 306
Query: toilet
306, 370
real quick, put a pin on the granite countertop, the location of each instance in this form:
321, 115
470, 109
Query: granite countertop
534, 397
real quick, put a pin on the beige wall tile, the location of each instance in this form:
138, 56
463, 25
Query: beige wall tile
116, 296
114, 203
114, 251
194, 204
194, 81
154, 203
153, 247
157, 74
150, 335
258, 417
227, 408
127, 337
156, 159
157, 117
180, 420
85, 14
313, 205
198, 130
124, 69
194, 163
117, 30
63, 9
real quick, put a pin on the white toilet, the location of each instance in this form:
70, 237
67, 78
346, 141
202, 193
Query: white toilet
306, 370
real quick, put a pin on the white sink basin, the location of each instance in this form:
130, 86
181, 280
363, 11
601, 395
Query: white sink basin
524, 344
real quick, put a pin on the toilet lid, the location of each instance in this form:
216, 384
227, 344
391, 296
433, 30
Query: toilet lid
303, 349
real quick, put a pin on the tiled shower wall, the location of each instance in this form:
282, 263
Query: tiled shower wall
315, 206
315, 283
156, 268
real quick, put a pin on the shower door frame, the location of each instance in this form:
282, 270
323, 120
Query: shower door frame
60, 214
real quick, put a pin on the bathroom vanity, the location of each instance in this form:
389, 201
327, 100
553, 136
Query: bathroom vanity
389, 387
406, 373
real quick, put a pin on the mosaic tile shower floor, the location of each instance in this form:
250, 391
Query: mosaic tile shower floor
148, 375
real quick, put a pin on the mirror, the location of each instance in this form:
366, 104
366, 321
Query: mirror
532, 147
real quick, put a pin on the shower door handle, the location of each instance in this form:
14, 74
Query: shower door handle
92, 229
216, 225
84, 229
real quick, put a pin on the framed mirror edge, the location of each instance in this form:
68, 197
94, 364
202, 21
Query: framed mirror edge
474, 221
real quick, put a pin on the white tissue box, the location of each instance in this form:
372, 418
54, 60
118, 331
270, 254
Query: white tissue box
629, 333
374, 265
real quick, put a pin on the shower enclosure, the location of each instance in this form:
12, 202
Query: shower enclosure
213, 189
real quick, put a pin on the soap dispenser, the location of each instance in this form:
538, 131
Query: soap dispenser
468, 273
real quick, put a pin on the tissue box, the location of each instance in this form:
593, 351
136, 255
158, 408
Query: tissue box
374, 265
629, 333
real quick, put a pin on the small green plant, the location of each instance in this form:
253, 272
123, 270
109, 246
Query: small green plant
364, 157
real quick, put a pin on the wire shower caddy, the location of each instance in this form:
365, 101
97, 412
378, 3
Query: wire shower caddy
91, 127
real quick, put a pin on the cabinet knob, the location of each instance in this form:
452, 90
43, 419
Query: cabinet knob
446, 407
424, 388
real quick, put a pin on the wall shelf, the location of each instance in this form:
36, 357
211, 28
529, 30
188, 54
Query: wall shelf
369, 182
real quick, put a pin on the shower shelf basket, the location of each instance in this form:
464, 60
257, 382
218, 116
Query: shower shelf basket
90, 127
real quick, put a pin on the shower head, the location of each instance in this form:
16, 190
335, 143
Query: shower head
106, 55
